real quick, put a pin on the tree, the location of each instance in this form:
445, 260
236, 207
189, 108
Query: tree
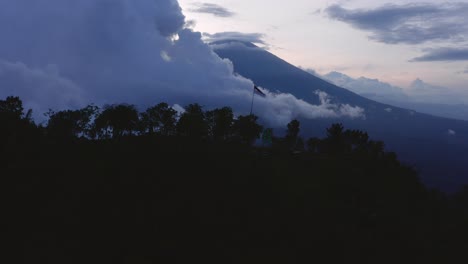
116, 120
220, 123
159, 118
12, 107
335, 141
247, 129
357, 140
267, 137
293, 129
292, 134
192, 123
335, 132
313, 144
71, 123
16, 126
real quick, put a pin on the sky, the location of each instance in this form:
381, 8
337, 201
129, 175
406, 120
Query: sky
396, 41
62, 54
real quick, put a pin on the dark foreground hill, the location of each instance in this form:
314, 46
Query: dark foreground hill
420, 139
166, 200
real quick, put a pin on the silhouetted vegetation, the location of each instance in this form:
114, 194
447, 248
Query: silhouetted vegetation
116, 185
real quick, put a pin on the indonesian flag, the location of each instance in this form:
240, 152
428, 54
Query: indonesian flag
258, 91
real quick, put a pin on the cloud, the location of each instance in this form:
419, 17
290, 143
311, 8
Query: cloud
413, 23
418, 91
37, 87
444, 54
389, 110
421, 91
310, 70
179, 109
421, 86
239, 36
451, 132
213, 9
279, 109
363, 85
66, 54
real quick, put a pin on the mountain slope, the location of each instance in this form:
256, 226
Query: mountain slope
426, 141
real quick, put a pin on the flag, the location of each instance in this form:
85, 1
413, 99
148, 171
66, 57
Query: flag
258, 91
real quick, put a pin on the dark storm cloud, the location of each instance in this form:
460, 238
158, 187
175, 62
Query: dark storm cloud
408, 23
444, 54
58, 54
213, 9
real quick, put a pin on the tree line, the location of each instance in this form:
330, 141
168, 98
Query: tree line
218, 125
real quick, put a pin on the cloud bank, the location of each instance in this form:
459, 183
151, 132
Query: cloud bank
212, 9
444, 54
65, 54
413, 23
279, 109
363, 85
418, 91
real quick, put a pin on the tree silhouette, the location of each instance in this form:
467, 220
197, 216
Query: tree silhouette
335, 132
69, 124
292, 134
16, 126
267, 137
220, 123
313, 144
160, 118
116, 121
376, 148
357, 140
247, 129
335, 141
192, 122
12, 107
293, 129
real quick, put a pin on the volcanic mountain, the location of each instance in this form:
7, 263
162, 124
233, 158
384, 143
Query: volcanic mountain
437, 147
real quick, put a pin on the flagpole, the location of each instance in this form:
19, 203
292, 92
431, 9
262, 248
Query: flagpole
253, 95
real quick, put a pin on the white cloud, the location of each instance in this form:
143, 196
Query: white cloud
311, 71
179, 109
451, 132
279, 109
